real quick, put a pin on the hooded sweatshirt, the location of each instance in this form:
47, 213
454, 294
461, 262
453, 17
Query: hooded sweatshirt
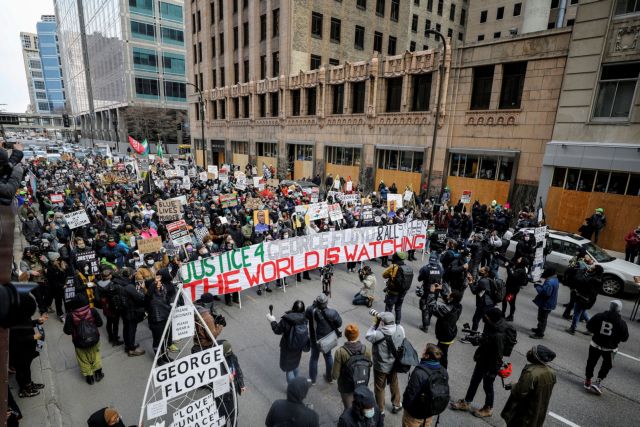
293, 411
353, 416
382, 357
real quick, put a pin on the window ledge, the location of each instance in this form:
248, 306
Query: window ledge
492, 117
610, 121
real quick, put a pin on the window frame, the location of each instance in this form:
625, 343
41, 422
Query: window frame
608, 118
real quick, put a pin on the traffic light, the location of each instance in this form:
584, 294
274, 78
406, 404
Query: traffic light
65, 120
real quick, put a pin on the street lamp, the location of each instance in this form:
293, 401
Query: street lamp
441, 68
201, 103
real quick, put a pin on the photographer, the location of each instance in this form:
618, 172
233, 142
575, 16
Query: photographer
481, 288
11, 173
429, 274
366, 294
322, 322
383, 358
488, 358
399, 277
455, 266
447, 313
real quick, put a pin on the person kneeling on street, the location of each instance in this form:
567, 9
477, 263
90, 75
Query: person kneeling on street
366, 294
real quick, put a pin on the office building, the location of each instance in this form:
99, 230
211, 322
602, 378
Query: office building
124, 67
33, 72
51, 63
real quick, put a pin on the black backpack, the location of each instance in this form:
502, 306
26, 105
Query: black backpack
86, 332
498, 290
510, 340
298, 338
357, 370
434, 397
404, 357
113, 293
403, 280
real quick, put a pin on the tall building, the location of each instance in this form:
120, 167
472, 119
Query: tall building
495, 19
51, 63
124, 67
593, 157
33, 72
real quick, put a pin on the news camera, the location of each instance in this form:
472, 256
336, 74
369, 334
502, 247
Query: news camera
12, 296
473, 337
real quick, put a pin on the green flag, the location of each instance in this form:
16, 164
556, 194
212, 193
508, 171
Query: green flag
159, 150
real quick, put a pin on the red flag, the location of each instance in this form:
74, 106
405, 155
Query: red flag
137, 147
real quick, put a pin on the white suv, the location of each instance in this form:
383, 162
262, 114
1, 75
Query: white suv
619, 275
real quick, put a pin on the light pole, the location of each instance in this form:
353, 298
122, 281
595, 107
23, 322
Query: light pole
441, 69
201, 103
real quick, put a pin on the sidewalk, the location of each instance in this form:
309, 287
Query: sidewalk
44, 409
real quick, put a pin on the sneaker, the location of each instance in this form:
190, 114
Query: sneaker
587, 384
464, 341
535, 330
259, 292
483, 412
136, 352
28, 393
268, 290
424, 329
596, 387
570, 331
460, 405
36, 386
396, 409
328, 379
173, 348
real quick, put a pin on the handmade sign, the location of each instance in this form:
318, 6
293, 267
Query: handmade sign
466, 196
246, 267
76, 219
335, 212
228, 200
57, 198
213, 171
150, 245
168, 210
179, 232
318, 211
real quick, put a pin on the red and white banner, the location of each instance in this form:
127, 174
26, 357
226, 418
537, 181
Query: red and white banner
243, 268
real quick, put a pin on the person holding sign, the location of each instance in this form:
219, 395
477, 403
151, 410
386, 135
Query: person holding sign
158, 299
261, 220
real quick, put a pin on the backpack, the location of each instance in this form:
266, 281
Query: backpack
298, 338
86, 333
114, 297
357, 370
403, 280
498, 290
434, 396
510, 340
404, 356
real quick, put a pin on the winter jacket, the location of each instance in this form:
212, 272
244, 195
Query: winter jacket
587, 286
31, 228
289, 358
529, 399
547, 297
97, 420
320, 326
632, 240
491, 349
368, 286
22, 345
352, 417
447, 316
525, 249
382, 356
74, 317
117, 252
340, 359
202, 338
608, 330
481, 288
133, 301
516, 278
10, 183
418, 381
158, 303
293, 411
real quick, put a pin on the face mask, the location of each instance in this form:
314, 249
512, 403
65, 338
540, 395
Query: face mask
81, 245
150, 262
526, 239
30, 218
112, 244
189, 249
86, 270
369, 413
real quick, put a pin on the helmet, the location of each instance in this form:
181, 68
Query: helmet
505, 371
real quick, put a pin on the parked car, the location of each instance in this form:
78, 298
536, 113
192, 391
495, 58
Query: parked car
619, 275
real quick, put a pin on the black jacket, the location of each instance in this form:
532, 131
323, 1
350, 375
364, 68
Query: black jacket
587, 286
352, 417
289, 359
133, 303
97, 420
516, 277
608, 329
293, 411
482, 290
491, 349
320, 326
447, 317
418, 381
159, 302
526, 249
10, 181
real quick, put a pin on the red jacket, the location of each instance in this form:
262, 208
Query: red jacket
632, 239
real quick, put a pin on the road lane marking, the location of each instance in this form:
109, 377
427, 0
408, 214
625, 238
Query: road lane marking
563, 419
630, 357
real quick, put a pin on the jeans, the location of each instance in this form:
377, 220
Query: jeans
630, 254
542, 321
156, 333
478, 315
592, 361
391, 301
292, 374
481, 374
129, 328
359, 299
579, 313
570, 304
380, 382
444, 360
313, 363
113, 324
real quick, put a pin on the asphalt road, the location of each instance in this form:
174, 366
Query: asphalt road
68, 400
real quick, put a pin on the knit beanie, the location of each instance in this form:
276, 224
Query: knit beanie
615, 306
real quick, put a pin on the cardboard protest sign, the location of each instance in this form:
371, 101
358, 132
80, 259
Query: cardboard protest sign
273, 182
335, 212
261, 220
250, 266
150, 245
241, 182
168, 210
203, 176
76, 219
408, 196
318, 211
182, 323
212, 170
252, 203
179, 232
57, 198
466, 196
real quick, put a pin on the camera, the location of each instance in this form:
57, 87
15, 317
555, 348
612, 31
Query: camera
11, 296
219, 319
375, 313
473, 337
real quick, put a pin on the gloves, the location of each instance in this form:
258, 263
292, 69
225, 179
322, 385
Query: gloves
271, 317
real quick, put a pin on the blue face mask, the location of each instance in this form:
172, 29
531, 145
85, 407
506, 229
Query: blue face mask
369, 413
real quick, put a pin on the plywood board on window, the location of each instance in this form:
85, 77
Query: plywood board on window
401, 179
483, 190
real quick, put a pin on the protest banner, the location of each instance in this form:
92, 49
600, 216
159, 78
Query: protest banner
212, 170
252, 203
228, 200
318, 210
57, 198
182, 322
188, 373
335, 212
168, 210
246, 267
466, 196
203, 176
261, 220
76, 219
540, 235
241, 182
88, 255
147, 246
179, 232
180, 173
